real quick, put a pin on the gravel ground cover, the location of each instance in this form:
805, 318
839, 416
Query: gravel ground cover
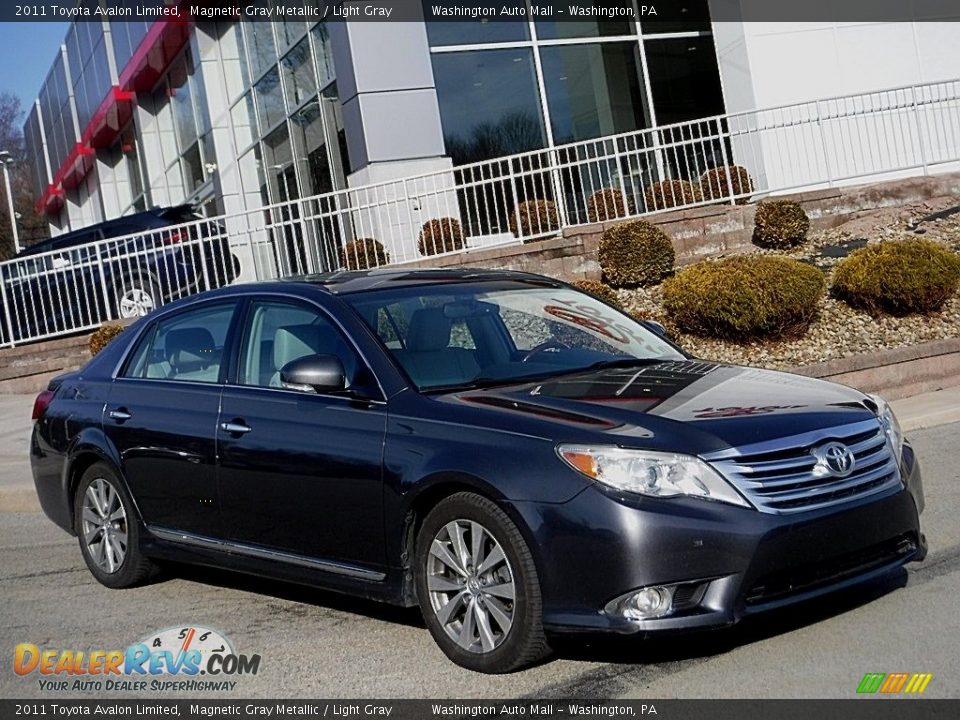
839, 330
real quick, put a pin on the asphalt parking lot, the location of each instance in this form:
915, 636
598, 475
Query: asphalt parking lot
316, 644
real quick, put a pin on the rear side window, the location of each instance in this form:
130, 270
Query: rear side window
187, 347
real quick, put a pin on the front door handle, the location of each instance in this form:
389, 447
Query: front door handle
235, 428
120, 415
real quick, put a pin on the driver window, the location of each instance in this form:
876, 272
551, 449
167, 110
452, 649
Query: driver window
279, 333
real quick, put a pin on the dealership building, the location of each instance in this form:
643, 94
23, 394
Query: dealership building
231, 115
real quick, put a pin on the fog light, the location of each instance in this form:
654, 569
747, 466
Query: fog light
651, 602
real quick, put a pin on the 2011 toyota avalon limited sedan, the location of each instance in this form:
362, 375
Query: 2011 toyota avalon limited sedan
516, 457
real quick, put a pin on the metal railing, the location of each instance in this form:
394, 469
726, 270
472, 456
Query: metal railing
514, 199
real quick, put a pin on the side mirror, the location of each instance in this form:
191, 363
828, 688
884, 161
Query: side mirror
314, 374
655, 327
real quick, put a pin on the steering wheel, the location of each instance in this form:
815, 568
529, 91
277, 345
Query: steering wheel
543, 347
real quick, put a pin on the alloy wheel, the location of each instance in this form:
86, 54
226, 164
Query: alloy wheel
471, 586
104, 525
135, 302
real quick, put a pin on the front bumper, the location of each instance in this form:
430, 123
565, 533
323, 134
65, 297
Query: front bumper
597, 547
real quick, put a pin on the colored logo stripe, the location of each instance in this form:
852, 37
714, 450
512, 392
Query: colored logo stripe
893, 683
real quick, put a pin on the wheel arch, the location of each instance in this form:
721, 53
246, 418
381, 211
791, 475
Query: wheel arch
87, 450
432, 491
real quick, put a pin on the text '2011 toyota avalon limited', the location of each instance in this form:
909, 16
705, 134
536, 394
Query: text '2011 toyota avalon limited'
516, 457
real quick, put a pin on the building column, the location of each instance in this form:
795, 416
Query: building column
392, 123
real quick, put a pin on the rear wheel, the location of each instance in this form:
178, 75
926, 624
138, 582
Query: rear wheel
137, 295
477, 586
108, 531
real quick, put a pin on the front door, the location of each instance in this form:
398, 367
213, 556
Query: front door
162, 416
300, 473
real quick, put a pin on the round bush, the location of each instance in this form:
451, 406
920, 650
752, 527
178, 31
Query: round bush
780, 224
536, 218
898, 277
440, 236
607, 204
103, 335
744, 297
362, 254
599, 291
715, 186
635, 253
668, 194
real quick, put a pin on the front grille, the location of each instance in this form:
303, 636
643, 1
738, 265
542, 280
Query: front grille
785, 476
805, 578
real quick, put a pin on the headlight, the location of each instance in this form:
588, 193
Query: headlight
655, 474
890, 426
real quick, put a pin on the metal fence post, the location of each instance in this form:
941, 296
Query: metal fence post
103, 284
6, 308
916, 115
823, 143
556, 175
726, 160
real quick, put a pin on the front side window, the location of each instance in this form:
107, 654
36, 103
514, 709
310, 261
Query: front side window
476, 333
279, 333
188, 346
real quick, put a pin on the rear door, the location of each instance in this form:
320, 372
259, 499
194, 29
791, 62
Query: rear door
162, 417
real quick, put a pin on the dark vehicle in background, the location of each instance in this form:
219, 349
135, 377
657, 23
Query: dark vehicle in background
510, 454
81, 278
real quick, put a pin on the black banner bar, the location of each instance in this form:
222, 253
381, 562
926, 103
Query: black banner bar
854, 709
646, 11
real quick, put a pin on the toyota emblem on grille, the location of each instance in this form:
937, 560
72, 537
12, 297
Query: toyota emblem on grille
835, 459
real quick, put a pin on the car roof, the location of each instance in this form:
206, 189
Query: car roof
357, 281
148, 219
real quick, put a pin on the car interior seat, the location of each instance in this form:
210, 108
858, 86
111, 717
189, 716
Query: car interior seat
427, 357
191, 354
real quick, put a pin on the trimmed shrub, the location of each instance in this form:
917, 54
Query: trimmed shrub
714, 184
440, 236
744, 297
102, 336
599, 291
363, 254
536, 218
635, 253
668, 194
898, 277
780, 224
607, 204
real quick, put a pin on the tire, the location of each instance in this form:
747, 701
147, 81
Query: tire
469, 613
121, 564
136, 295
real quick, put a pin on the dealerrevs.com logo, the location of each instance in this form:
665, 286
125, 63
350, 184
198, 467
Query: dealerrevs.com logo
188, 659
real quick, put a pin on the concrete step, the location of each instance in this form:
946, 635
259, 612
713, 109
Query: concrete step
32, 366
29, 384
72, 341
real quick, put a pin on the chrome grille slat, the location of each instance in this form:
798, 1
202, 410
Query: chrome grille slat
835, 486
787, 478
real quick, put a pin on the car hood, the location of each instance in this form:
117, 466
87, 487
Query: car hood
689, 406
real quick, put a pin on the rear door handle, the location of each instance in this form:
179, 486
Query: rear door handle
120, 415
235, 428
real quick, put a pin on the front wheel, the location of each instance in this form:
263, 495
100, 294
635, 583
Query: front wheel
477, 586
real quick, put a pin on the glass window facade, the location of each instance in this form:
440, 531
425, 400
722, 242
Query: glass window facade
488, 103
551, 82
594, 89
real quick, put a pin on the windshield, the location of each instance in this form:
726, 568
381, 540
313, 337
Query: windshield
475, 334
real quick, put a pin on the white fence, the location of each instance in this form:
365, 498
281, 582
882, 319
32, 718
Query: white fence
512, 199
